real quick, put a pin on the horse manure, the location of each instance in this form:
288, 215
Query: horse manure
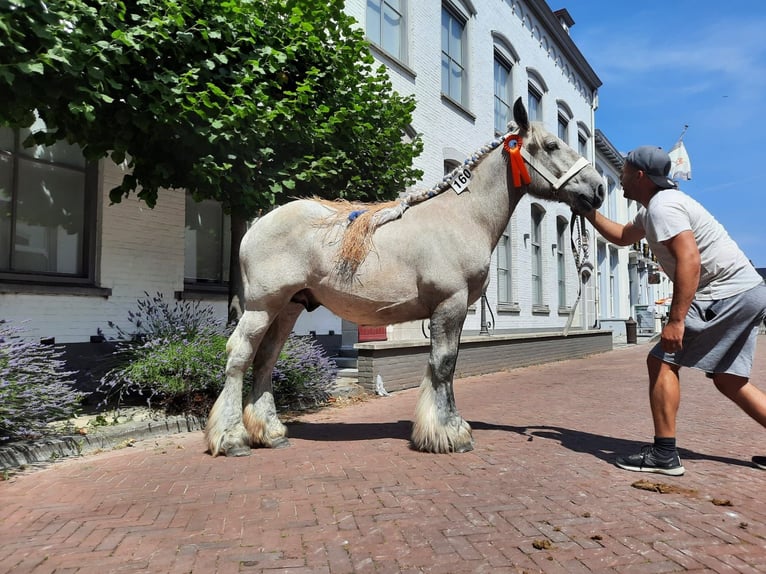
543, 544
662, 487
722, 502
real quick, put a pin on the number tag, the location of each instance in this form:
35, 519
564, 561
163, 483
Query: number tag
461, 180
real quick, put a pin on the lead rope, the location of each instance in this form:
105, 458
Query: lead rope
579, 245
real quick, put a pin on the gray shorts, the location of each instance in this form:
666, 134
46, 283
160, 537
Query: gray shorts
720, 336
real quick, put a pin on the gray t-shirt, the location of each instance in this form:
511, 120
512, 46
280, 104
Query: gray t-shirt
724, 269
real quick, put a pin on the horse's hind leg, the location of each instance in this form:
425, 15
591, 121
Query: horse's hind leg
225, 432
438, 426
260, 417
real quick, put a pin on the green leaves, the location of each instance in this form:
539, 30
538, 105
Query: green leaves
250, 102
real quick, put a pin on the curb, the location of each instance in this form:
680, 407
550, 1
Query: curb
17, 455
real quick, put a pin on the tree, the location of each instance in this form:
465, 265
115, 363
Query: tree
248, 102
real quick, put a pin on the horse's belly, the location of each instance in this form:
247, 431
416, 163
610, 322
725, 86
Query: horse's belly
366, 310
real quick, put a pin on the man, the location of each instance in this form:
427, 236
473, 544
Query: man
719, 301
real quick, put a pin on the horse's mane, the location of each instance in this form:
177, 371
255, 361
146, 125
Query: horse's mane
362, 219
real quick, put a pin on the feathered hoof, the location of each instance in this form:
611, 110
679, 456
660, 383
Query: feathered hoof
464, 447
243, 450
281, 442
443, 440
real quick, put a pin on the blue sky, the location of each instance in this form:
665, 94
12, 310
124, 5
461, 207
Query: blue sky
697, 62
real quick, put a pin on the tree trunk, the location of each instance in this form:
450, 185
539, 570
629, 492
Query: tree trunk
236, 285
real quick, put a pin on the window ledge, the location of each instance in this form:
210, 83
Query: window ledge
59, 289
508, 308
458, 107
199, 291
392, 61
565, 310
541, 310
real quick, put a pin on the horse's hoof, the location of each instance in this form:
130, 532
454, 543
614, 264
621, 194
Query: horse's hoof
282, 442
238, 451
465, 447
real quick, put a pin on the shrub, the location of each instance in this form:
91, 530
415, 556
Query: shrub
35, 388
303, 374
176, 359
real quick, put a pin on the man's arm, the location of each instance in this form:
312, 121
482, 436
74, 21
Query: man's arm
614, 232
683, 248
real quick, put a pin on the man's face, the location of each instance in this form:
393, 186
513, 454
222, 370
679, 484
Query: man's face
629, 180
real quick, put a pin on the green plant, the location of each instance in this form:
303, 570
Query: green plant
303, 374
176, 359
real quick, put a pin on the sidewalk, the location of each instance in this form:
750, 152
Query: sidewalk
539, 493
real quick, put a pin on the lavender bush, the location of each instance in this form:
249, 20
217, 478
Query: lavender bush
174, 357
35, 388
303, 374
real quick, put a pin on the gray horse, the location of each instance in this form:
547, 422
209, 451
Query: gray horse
431, 261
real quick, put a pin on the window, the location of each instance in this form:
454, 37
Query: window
614, 282
504, 294
583, 140
537, 255
603, 275
534, 104
453, 56
563, 127
611, 187
503, 94
386, 26
47, 210
561, 233
207, 242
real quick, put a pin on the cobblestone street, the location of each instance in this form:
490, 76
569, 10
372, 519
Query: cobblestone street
539, 493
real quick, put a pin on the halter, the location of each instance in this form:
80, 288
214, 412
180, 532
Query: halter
512, 144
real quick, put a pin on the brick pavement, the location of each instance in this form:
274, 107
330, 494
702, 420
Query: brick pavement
538, 494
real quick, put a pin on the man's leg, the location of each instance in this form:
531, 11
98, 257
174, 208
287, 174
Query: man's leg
664, 399
664, 396
745, 395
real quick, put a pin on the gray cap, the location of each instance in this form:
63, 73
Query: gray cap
654, 162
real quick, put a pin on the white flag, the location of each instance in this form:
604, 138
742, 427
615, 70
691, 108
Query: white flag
680, 166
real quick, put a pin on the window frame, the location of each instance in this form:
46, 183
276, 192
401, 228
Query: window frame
455, 15
536, 241
505, 251
403, 52
86, 276
500, 62
561, 260
195, 283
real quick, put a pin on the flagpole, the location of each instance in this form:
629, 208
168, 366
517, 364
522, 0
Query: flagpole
683, 132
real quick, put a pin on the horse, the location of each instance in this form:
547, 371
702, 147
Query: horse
429, 260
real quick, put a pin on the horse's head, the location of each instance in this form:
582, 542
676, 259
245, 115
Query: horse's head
556, 171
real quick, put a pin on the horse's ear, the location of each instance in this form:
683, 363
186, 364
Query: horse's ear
520, 114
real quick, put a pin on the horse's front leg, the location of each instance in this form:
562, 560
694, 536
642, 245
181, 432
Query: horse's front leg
225, 432
438, 426
260, 416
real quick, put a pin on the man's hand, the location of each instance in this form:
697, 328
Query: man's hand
672, 336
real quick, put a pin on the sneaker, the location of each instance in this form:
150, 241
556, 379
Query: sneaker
648, 461
759, 462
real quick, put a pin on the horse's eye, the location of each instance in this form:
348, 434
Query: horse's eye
551, 145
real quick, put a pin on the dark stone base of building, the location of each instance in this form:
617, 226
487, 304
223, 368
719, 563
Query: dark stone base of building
402, 364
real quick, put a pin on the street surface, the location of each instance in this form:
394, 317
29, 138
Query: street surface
539, 493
